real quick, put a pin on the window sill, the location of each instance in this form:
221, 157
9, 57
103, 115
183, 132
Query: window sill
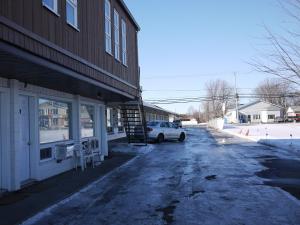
118, 60
46, 160
73, 26
51, 10
57, 142
109, 53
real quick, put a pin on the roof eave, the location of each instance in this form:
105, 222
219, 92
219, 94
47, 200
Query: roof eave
130, 14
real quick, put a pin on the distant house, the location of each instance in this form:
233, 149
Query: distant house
293, 111
255, 112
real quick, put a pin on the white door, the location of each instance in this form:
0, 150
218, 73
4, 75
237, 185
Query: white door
25, 139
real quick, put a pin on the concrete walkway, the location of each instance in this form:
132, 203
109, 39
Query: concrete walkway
21, 205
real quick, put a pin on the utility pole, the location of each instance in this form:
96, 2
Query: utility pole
199, 114
236, 100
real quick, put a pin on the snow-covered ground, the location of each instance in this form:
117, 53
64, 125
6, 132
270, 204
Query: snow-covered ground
285, 136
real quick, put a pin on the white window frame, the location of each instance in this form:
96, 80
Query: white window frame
107, 25
54, 9
124, 42
70, 118
94, 121
117, 34
120, 124
109, 117
74, 5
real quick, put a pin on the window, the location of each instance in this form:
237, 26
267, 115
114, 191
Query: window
109, 120
107, 27
117, 34
54, 121
46, 153
51, 4
87, 121
256, 117
72, 13
120, 124
271, 117
124, 43
164, 124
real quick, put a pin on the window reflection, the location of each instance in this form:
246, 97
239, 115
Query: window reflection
87, 121
54, 121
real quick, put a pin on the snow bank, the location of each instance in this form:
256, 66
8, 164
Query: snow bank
286, 136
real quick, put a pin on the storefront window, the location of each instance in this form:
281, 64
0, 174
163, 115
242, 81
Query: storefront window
54, 121
109, 115
87, 121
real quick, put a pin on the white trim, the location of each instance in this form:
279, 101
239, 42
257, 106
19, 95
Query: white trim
124, 43
117, 34
107, 26
54, 9
74, 5
5, 154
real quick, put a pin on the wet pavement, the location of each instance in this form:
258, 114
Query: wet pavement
211, 178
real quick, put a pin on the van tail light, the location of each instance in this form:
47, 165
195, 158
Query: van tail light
149, 129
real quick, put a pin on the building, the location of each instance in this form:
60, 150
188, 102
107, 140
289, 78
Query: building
61, 63
293, 111
189, 122
255, 112
154, 112
115, 126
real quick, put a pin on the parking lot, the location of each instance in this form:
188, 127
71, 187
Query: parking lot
211, 178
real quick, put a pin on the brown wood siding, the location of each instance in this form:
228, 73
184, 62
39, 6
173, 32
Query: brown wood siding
88, 43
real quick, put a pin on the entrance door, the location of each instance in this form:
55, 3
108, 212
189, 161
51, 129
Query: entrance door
25, 139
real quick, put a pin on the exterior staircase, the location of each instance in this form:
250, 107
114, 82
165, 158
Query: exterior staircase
134, 121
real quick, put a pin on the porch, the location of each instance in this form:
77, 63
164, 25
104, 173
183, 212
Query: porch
48, 192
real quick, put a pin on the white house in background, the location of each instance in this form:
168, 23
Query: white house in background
293, 111
189, 122
256, 112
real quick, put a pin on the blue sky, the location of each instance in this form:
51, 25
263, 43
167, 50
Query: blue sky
184, 44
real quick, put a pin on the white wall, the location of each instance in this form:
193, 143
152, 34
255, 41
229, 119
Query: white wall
264, 116
5, 160
10, 143
231, 117
217, 123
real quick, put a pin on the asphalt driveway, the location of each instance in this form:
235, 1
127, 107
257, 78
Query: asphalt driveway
211, 178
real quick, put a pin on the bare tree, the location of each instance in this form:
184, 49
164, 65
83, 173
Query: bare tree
275, 91
191, 111
219, 94
284, 58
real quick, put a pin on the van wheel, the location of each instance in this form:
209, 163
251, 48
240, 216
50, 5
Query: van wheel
160, 138
181, 137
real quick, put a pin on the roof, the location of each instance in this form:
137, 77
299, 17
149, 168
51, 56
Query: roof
295, 108
129, 14
147, 104
272, 106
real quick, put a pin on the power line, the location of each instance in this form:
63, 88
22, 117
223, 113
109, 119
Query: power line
149, 77
218, 98
187, 90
